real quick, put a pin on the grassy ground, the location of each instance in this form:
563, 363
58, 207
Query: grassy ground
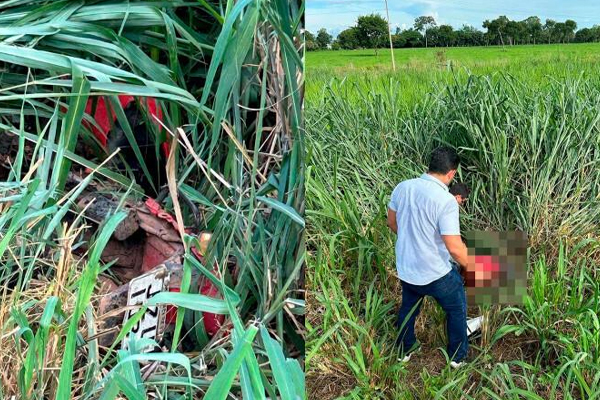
459, 56
528, 133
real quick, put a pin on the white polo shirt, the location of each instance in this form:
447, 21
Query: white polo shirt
425, 210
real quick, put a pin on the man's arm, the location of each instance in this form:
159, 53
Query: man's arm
457, 249
449, 228
391, 220
392, 208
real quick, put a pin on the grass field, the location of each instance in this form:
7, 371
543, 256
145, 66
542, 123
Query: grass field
418, 69
528, 130
460, 56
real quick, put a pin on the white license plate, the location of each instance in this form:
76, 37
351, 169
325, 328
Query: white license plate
142, 288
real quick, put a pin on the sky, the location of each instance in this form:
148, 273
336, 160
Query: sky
337, 15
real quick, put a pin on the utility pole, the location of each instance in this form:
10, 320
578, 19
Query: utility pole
390, 35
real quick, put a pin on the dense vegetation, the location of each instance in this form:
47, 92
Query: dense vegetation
371, 31
529, 137
227, 76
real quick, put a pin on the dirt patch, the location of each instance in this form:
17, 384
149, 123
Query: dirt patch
314, 312
328, 386
512, 347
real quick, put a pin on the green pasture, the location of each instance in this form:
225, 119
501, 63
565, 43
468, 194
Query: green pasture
474, 57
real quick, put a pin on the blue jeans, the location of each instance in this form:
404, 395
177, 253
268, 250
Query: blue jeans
449, 292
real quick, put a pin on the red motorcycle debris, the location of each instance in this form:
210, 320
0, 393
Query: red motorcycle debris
146, 248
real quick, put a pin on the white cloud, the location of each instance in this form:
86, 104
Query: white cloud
333, 24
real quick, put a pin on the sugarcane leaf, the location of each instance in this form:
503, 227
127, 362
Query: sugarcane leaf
221, 385
198, 302
287, 381
283, 208
72, 120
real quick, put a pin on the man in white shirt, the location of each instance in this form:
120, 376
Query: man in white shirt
424, 215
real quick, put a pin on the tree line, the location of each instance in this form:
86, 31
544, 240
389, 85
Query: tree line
371, 31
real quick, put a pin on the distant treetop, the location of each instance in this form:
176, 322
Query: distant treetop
370, 31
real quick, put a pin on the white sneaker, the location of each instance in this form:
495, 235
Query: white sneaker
474, 324
406, 358
456, 365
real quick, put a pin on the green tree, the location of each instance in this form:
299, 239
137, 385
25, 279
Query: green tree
398, 41
588, 35
560, 30
323, 39
446, 35
515, 31
433, 37
595, 33
584, 35
469, 36
501, 24
372, 30
423, 23
412, 38
497, 28
550, 30
569, 30
348, 39
310, 41
534, 28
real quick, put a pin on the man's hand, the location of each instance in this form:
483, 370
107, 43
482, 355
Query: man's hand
391, 220
457, 249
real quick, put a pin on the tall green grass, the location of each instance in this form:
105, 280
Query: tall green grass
222, 72
531, 156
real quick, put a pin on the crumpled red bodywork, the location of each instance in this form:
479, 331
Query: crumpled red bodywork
106, 119
156, 250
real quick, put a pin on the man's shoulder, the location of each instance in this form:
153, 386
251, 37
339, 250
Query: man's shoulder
402, 187
409, 182
421, 183
432, 191
402, 184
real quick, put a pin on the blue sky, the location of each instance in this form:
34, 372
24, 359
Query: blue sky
336, 15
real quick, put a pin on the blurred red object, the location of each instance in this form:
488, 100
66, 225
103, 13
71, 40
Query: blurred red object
487, 263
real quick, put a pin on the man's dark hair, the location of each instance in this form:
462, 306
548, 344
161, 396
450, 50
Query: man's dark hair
443, 160
460, 189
